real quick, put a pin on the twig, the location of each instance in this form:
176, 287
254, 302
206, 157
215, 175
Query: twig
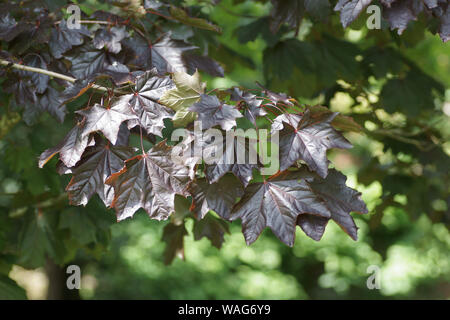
50, 73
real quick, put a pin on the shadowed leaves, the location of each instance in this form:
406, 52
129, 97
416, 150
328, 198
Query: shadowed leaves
70, 148
63, 38
218, 197
212, 228
233, 153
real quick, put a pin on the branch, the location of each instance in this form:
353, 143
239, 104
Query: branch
51, 74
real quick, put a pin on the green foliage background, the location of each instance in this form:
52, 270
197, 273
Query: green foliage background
399, 89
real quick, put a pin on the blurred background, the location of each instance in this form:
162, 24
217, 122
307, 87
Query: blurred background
400, 163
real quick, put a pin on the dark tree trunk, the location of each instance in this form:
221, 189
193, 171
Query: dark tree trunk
57, 288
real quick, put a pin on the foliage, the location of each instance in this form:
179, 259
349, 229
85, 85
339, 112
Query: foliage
126, 82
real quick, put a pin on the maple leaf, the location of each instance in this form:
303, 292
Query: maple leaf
107, 120
144, 102
97, 163
234, 155
87, 62
350, 10
307, 138
252, 108
276, 203
140, 52
187, 92
166, 54
63, 38
399, 14
133, 189
70, 148
218, 197
212, 228
276, 98
25, 93
211, 112
338, 198
39, 80
110, 38
149, 181
313, 226
10, 29
168, 172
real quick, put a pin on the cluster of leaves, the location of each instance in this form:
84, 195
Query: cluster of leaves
132, 74
397, 100
136, 75
397, 14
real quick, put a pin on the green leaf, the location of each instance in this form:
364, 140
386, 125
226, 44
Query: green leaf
187, 92
81, 228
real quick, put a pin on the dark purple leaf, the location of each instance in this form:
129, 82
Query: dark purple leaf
286, 11
89, 175
107, 120
150, 182
218, 197
313, 226
308, 138
350, 10
70, 148
211, 112
144, 102
276, 203
166, 55
63, 39
204, 63
339, 199
234, 155
400, 14
110, 39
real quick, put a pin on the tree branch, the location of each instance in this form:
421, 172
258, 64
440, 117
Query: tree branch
51, 74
